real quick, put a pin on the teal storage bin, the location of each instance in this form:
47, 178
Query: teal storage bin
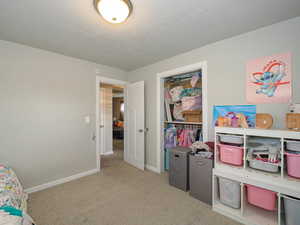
167, 159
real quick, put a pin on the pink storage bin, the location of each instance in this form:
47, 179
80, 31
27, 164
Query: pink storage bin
231, 154
293, 164
262, 198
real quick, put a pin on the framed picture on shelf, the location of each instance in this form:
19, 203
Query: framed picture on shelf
234, 116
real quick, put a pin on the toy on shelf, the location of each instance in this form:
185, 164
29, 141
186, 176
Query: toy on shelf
264, 121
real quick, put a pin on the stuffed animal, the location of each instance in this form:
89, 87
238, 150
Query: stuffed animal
242, 120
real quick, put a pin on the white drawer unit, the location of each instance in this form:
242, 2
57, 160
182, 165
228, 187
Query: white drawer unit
273, 180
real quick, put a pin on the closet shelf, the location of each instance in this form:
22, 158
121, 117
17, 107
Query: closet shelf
181, 122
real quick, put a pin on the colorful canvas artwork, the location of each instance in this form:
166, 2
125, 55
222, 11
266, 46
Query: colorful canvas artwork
269, 79
243, 116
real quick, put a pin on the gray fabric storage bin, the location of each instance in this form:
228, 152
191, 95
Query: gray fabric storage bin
292, 209
201, 178
179, 168
230, 192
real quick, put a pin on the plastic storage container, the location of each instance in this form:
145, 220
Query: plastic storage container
262, 198
293, 145
230, 193
293, 164
231, 139
264, 166
231, 154
291, 209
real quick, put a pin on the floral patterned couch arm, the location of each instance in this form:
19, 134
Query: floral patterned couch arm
12, 197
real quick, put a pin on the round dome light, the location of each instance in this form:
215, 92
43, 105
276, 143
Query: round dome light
114, 11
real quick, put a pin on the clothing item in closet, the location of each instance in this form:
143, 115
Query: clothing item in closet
195, 79
170, 137
168, 97
175, 93
177, 112
201, 149
189, 92
186, 138
199, 145
199, 136
191, 103
183, 137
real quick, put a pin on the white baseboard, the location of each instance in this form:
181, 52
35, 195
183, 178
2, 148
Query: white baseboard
60, 181
152, 168
108, 153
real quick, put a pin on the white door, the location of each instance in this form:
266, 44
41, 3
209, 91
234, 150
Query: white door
106, 139
135, 133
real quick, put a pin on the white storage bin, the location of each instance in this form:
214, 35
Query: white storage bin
230, 193
231, 139
293, 145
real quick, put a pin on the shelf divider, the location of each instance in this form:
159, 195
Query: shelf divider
182, 122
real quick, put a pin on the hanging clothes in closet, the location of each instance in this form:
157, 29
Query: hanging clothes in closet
182, 135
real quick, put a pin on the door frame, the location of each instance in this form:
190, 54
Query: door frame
99, 80
160, 105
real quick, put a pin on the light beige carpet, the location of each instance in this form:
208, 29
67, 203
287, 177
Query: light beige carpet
120, 195
118, 144
112, 160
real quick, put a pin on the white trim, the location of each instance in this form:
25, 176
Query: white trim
160, 106
101, 79
152, 168
60, 181
108, 153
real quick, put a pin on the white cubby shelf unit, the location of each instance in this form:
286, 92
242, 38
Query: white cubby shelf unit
279, 182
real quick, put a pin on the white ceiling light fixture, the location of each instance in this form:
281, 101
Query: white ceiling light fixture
114, 11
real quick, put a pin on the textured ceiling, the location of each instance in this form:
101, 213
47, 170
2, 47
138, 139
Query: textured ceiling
156, 30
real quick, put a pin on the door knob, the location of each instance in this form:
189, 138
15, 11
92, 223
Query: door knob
94, 137
143, 130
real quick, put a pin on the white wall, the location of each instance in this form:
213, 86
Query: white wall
226, 72
43, 100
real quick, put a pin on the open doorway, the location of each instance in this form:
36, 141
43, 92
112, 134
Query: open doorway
111, 124
127, 128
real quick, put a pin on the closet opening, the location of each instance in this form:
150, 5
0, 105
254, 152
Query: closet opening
182, 111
